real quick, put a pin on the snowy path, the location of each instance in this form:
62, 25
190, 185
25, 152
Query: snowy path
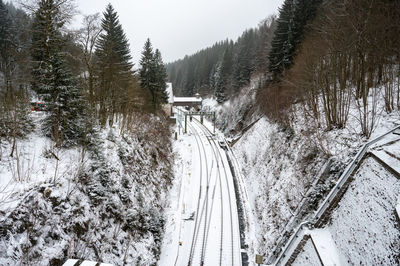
203, 213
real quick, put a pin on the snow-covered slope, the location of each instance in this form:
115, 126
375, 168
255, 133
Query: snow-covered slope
105, 206
364, 226
278, 167
282, 168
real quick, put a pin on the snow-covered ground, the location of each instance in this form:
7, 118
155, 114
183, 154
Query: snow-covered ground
282, 166
364, 226
106, 205
203, 220
308, 256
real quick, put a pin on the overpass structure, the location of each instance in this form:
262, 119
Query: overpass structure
196, 101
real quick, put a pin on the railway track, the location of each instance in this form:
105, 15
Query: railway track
222, 172
216, 216
197, 221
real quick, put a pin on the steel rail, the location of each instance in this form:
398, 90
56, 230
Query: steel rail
221, 202
227, 187
198, 202
197, 221
332, 194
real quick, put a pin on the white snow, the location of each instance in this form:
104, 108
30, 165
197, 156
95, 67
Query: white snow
88, 263
187, 99
170, 93
70, 262
364, 226
308, 256
326, 248
200, 165
62, 197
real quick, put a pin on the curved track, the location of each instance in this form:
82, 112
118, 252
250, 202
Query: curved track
216, 209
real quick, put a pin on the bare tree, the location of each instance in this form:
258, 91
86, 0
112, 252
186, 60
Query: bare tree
88, 35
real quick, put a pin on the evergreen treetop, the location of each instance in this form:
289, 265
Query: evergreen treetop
112, 47
153, 75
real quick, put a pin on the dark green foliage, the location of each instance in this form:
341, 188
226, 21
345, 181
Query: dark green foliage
114, 65
112, 49
244, 64
5, 43
224, 68
161, 77
52, 80
293, 19
153, 75
221, 79
46, 41
147, 67
281, 53
65, 120
193, 73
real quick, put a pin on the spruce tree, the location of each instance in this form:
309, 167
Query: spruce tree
46, 42
219, 86
153, 75
114, 64
281, 55
147, 71
293, 19
161, 77
65, 120
244, 64
5, 42
52, 79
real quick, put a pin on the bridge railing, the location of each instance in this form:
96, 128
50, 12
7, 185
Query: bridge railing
326, 203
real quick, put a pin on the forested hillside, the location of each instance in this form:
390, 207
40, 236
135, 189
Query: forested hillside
227, 66
349, 54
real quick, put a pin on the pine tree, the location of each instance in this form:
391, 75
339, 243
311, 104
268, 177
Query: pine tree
147, 71
293, 19
5, 42
219, 86
161, 77
52, 80
46, 41
282, 44
65, 120
153, 75
245, 60
114, 64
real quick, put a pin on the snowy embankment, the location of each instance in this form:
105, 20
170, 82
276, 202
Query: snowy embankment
235, 115
105, 204
364, 227
282, 166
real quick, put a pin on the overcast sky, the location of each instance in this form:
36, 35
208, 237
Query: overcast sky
180, 27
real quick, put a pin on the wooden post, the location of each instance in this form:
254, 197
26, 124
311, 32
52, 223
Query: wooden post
259, 259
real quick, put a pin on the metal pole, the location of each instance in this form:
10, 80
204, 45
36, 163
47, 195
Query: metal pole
214, 121
185, 123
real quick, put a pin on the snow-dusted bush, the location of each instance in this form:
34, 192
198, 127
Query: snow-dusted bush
108, 207
237, 113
